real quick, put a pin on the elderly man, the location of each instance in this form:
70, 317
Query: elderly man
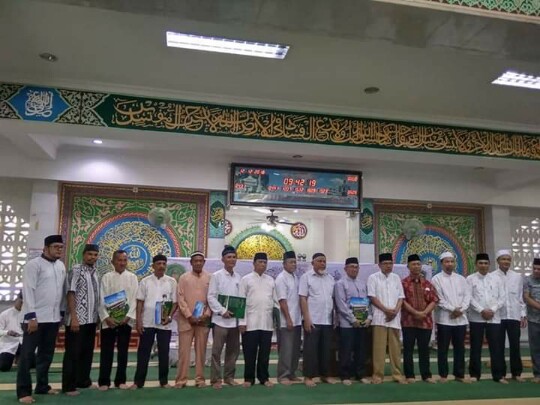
257, 326
155, 294
386, 294
513, 313
355, 314
290, 333
115, 330
451, 317
487, 298
416, 320
225, 332
10, 334
81, 320
193, 320
531, 293
43, 307
316, 292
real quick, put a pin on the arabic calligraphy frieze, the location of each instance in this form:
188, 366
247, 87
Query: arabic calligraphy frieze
119, 111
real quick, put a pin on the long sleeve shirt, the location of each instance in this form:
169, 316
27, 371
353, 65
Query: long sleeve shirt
113, 282
260, 294
287, 289
514, 307
222, 283
10, 320
153, 290
44, 290
345, 289
319, 290
388, 290
487, 292
192, 287
453, 292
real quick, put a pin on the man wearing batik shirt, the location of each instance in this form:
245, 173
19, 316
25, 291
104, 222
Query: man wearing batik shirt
290, 333
451, 317
81, 320
416, 319
531, 293
353, 330
487, 298
513, 313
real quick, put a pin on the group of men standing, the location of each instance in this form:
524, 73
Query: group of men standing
491, 304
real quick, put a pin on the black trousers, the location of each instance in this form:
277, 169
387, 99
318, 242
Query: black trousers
256, 347
6, 361
146, 342
110, 337
496, 353
78, 357
456, 335
317, 351
422, 338
43, 340
354, 350
512, 328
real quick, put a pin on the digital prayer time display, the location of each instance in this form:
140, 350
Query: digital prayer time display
274, 186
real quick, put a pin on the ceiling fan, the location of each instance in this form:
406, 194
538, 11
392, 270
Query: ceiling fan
273, 220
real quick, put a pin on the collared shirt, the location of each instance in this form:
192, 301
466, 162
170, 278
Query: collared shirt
419, 293
83, 281
319, 290
192, 287
287, 289
532, 286
153, 290
10, 320
388, 290
113, 282
453, 292
487, 292
345, 289
44, 290
514, 307
222, 283
261, 298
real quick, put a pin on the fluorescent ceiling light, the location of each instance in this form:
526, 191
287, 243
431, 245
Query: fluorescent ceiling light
510, 78
97, 141
226, 45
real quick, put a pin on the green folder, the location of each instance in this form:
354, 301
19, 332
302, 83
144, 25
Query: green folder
235, 305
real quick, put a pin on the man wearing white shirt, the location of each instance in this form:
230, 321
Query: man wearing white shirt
10, 334
513, 313
316, 290
43, 308
290, 333
386, 294
154, 290
114, 331
450, 316
256, 328
487, 298
225, 331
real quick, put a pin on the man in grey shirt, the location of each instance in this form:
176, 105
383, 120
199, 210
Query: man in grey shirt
531, 293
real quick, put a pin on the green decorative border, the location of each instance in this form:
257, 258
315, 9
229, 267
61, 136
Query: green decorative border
140, 113
256, 230
530, 8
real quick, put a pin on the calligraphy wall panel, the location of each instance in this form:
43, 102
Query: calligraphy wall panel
427, 230
142, 221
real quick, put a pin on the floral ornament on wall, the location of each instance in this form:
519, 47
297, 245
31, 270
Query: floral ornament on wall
299, 230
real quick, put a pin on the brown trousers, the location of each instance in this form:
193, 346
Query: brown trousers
384, 337
200, 335
229, 337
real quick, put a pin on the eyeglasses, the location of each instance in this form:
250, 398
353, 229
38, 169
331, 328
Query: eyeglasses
56, 246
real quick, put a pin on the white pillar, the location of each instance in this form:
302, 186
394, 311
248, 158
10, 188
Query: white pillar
44, 211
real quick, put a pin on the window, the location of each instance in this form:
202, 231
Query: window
526, 245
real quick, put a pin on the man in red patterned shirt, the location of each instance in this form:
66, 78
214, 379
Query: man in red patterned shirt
416, 320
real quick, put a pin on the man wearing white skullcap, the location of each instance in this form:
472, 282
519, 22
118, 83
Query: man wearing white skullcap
450, 316
513, 314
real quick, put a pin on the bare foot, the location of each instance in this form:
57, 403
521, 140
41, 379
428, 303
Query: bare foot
411, 380
217, 386
376, 380
123, 386
232, 383
247, 384
200, 384
329, 380
402, 381
179, 385
474, 379
268, 384
73, 393
53, 392
519, 379
295, 379
285, 381
103, 388
166, 386
463, 380
430, 381
27, 400
309, 382
365, 380
133, 387
503, 381
346, 382
443, 380
93, 387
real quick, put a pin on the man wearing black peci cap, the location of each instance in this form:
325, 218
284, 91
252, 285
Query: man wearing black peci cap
257, 326
487, 298
81, 320
43, 307
531, 293
416, 320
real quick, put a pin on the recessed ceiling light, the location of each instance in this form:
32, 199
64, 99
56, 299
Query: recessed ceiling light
97, 141
226, 45
297, 156
295, 211
234, 208
515, 79
49, 57
371, 90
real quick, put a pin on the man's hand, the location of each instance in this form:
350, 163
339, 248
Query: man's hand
456, 313
111, 323
419, 315
242, 329
126, 320
227, 315
356, 324
139, 327
487, 314
290, 325
192, 320
167, 321
367, 323
74, 327
523, 323
32, 326
308, 325
390, 314
13, 333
